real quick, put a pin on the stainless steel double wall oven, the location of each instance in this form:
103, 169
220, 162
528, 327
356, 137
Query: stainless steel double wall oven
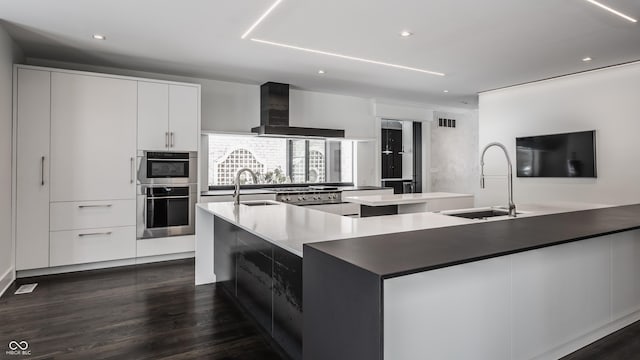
166, 193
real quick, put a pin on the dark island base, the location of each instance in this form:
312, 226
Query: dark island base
265, 280
368, 211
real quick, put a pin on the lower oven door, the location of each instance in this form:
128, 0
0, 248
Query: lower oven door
165, 210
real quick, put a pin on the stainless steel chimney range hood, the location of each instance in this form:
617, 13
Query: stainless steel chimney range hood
274, 115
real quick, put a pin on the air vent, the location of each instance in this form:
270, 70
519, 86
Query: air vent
450, 123
26, 289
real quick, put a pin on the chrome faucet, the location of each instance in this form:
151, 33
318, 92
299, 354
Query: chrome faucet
236, 192
512, 206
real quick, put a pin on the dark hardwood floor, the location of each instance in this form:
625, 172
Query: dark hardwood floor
144, 312
155, 312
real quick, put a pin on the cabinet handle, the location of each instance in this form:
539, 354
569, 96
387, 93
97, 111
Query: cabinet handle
172, 136
94, 206
132, 170
42, 171
95, 234
166, 139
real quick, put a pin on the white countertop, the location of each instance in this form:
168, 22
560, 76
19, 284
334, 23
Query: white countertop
290, 226
400, 199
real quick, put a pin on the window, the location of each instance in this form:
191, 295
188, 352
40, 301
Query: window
279, 160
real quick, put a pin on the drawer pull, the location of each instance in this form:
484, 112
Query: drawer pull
95, 234
94, 206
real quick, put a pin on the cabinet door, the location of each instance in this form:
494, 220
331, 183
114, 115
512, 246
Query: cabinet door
93, 137
32, 187
254, 277
153, 116
183, 118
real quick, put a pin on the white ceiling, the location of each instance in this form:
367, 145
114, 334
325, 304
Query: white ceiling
480, 45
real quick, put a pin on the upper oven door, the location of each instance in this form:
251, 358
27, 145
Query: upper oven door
167, 168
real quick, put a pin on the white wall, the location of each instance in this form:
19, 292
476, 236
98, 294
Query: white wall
606, 100
454, 153
9, 54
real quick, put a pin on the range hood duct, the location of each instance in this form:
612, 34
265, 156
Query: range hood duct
274, 115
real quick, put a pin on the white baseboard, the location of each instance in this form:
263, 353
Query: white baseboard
6, 280
102, 265
579, 343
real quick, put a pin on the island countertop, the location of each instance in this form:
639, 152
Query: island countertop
400, 199
422, 250
290, 227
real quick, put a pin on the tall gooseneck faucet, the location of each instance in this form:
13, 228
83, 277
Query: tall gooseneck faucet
236, 192
512, 206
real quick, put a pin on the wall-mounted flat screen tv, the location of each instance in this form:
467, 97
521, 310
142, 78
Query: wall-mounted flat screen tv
557, 155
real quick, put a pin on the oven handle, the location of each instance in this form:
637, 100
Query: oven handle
169, 160
167, 197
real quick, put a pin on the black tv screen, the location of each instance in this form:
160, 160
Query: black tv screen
558, 155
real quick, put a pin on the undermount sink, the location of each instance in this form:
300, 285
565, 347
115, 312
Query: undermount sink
479, 214
259, 203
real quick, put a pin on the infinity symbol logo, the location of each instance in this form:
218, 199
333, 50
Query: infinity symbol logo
22, 345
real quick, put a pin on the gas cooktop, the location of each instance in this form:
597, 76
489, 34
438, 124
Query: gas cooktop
308, 195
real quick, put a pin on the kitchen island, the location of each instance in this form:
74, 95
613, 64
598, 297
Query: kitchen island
541, 285
391, 204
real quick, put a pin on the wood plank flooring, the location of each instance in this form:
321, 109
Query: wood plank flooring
144, 312
155, 312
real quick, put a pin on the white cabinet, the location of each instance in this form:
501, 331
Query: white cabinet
84, 246
183, 118
92, 214
153, 116
168, 117
76, 143
32, 166
93, 137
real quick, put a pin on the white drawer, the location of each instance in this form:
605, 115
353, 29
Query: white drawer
92, 245
166, 245
92, 214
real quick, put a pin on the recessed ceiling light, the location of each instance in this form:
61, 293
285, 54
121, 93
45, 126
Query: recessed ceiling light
586, 59
99, 37
266, 13
348, 57
406, 33
321, 72
445, 91
594, 2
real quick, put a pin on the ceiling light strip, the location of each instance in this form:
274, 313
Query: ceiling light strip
266, 13
348, 57
612, 10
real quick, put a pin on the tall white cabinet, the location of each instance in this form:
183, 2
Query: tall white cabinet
167, 117
32, 167
77, 137
93, 138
